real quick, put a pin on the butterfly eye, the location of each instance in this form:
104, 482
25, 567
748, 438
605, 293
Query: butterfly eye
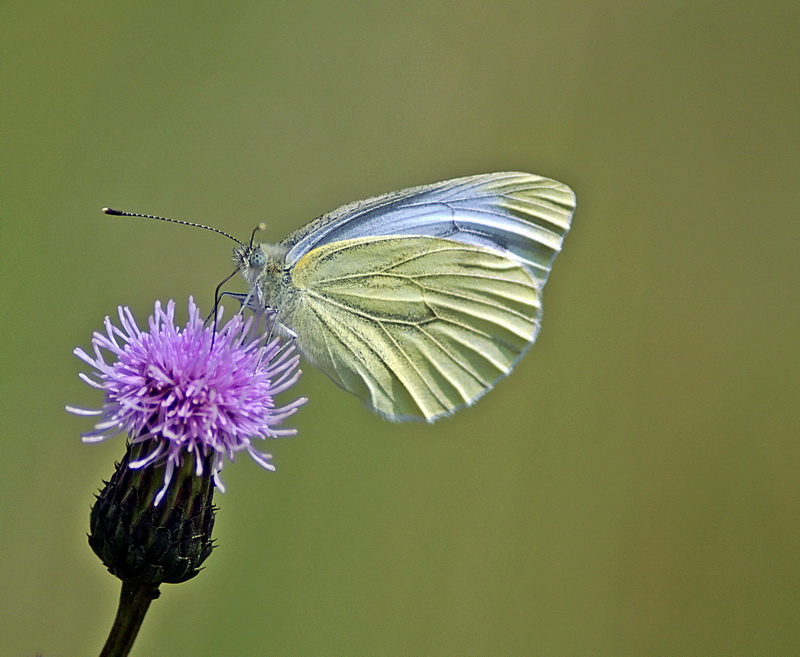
257, 259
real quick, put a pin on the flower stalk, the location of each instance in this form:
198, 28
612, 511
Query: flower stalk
134, 601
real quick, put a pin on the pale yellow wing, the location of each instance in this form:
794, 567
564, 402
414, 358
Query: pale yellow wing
417, 327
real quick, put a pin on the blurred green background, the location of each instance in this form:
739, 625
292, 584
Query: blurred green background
632, 489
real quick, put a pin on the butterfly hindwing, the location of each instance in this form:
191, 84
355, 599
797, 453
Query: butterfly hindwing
415, 326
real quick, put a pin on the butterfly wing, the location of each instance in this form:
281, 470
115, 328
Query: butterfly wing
417, 327
520, 215
418, 301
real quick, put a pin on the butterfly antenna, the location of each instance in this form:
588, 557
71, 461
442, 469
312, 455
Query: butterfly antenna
120, 213
257, 229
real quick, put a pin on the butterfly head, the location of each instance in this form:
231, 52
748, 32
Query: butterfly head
250, 261
258, 262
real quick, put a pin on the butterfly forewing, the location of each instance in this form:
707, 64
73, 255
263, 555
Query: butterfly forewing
519, 214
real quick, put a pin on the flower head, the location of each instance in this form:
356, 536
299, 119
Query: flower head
189, 391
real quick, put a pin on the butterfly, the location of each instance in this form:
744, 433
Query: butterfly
420, 300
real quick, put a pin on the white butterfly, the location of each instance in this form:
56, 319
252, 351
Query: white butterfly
417, 301
420, 300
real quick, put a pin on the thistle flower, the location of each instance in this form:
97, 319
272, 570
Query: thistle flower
189, 393
187, 398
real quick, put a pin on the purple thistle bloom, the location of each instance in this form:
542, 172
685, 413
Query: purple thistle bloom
189, 391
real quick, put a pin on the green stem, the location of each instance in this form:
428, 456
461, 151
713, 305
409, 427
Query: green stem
134, 601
